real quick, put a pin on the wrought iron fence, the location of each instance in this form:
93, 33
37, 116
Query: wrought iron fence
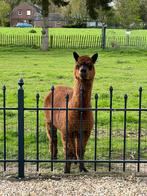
95, 161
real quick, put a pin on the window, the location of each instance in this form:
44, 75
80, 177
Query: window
28, 12
19, 12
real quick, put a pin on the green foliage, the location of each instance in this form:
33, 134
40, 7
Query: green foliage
12, 3
4, 12
78, 11
143, 10
45, 4
75, 12
32, 31
128, 12
94, 5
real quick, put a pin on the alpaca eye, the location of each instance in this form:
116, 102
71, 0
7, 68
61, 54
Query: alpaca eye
78, 66
90, 67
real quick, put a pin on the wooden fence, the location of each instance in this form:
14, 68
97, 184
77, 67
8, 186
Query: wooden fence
124, 41
20, 40
74, 41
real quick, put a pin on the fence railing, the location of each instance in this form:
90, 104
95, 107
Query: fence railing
123, 159
74, 41
20, 40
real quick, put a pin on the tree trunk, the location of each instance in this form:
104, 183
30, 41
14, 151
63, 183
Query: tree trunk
45, 40
45, 12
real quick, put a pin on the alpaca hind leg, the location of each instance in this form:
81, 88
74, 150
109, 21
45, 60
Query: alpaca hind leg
52, 135
80, 147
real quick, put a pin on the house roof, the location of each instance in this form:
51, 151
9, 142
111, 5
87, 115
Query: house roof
55, 17
51, 17
38, 9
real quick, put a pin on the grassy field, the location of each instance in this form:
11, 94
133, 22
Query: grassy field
71, 31
125, 70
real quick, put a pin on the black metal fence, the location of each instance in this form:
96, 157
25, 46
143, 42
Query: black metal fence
96, 160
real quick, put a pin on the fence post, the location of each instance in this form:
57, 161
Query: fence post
20, 129
110, 127
4, 117
51, 41
104, 36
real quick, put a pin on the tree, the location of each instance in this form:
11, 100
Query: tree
105, 16
96, 7
128, 12
12, 3
76, 12
86, 9
4, 12
45, 11
143, 11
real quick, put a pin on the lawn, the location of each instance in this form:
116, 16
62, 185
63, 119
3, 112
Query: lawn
125, 70
71, 31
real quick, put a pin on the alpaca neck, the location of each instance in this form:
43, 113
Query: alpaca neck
86, 87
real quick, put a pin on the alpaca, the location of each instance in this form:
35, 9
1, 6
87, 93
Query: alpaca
84, 73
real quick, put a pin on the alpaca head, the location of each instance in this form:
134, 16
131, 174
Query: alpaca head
84, 68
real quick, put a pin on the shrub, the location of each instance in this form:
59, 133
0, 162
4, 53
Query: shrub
32, 31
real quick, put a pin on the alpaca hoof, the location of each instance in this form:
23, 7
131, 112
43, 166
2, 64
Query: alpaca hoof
83, 169
66, 169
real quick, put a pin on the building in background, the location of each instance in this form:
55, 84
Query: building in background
29, 13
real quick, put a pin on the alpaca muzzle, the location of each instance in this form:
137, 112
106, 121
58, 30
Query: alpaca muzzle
83, 73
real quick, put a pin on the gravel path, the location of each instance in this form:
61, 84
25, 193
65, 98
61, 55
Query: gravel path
82, 185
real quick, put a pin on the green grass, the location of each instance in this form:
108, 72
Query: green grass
71, 31
125, 70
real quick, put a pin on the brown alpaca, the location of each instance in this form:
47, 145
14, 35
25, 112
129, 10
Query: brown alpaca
84, 73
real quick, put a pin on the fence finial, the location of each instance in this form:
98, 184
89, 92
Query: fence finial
125, 96
140, 89
4, 88
37, 96
111, 88
21, 83
52, 88
96, 96
67, 97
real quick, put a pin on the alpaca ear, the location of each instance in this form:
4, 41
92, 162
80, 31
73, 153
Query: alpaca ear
76, 56
94, 57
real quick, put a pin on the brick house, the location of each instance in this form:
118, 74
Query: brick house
26, 12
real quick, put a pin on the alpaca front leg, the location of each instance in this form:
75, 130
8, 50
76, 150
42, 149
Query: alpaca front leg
67, 165
69, 149
81, 145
